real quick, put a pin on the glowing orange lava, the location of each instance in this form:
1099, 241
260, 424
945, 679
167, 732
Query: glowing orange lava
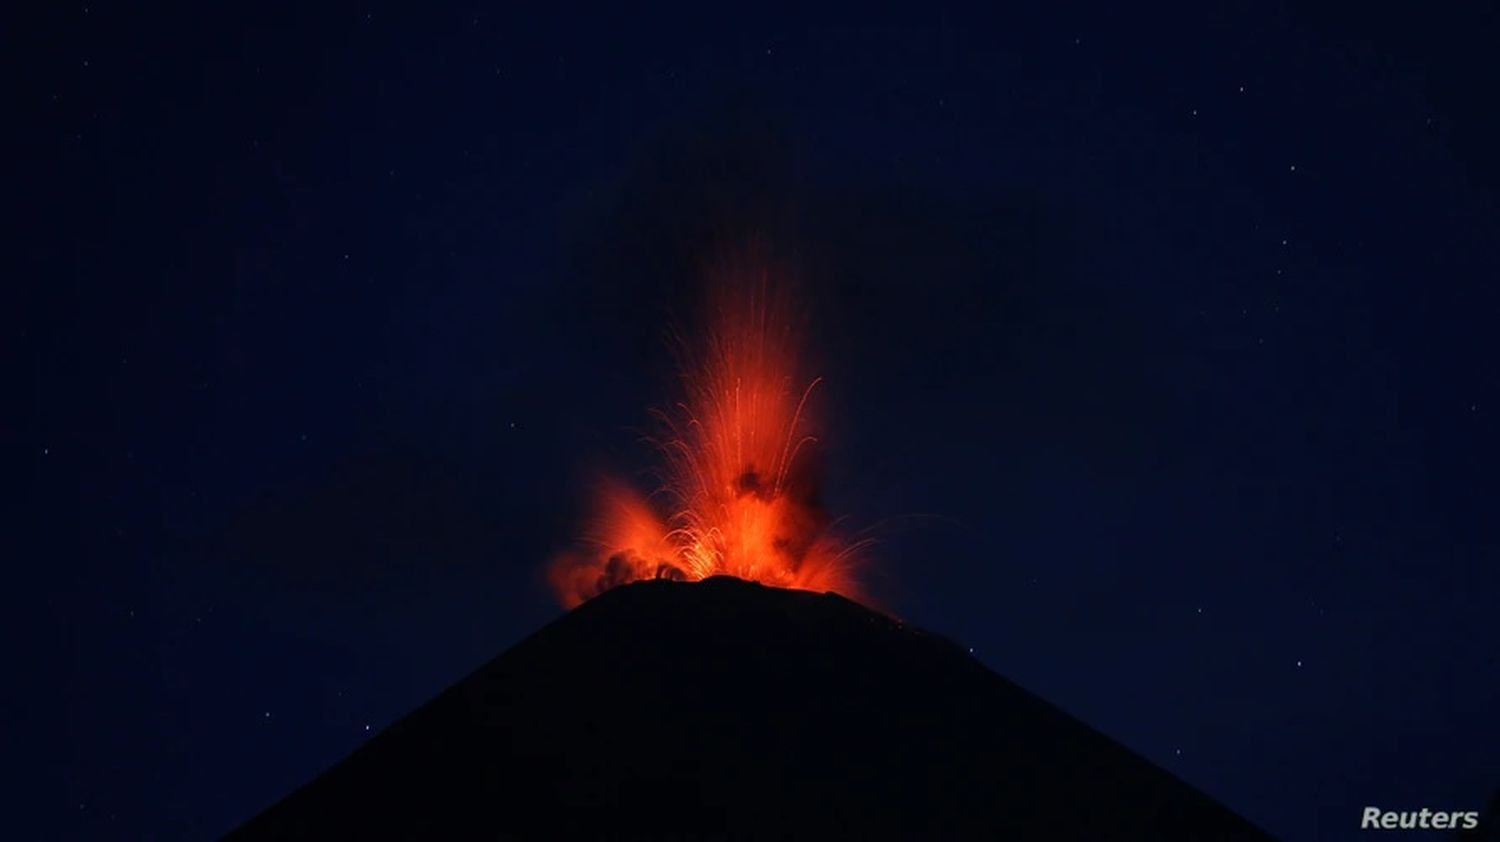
738, 495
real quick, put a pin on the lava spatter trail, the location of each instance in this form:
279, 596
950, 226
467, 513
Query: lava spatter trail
738, 483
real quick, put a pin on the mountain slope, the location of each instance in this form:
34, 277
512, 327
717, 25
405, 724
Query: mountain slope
724, 709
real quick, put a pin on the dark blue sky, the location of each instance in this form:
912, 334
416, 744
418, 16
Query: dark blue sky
1159, 353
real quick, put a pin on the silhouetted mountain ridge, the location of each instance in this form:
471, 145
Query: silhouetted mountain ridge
728, 710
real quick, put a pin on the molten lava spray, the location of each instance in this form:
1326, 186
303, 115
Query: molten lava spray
738, 492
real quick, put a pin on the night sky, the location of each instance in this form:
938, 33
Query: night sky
1159, 354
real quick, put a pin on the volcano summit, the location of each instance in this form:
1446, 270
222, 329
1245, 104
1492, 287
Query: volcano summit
726, 709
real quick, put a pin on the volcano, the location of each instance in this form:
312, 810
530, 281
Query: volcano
725, 709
